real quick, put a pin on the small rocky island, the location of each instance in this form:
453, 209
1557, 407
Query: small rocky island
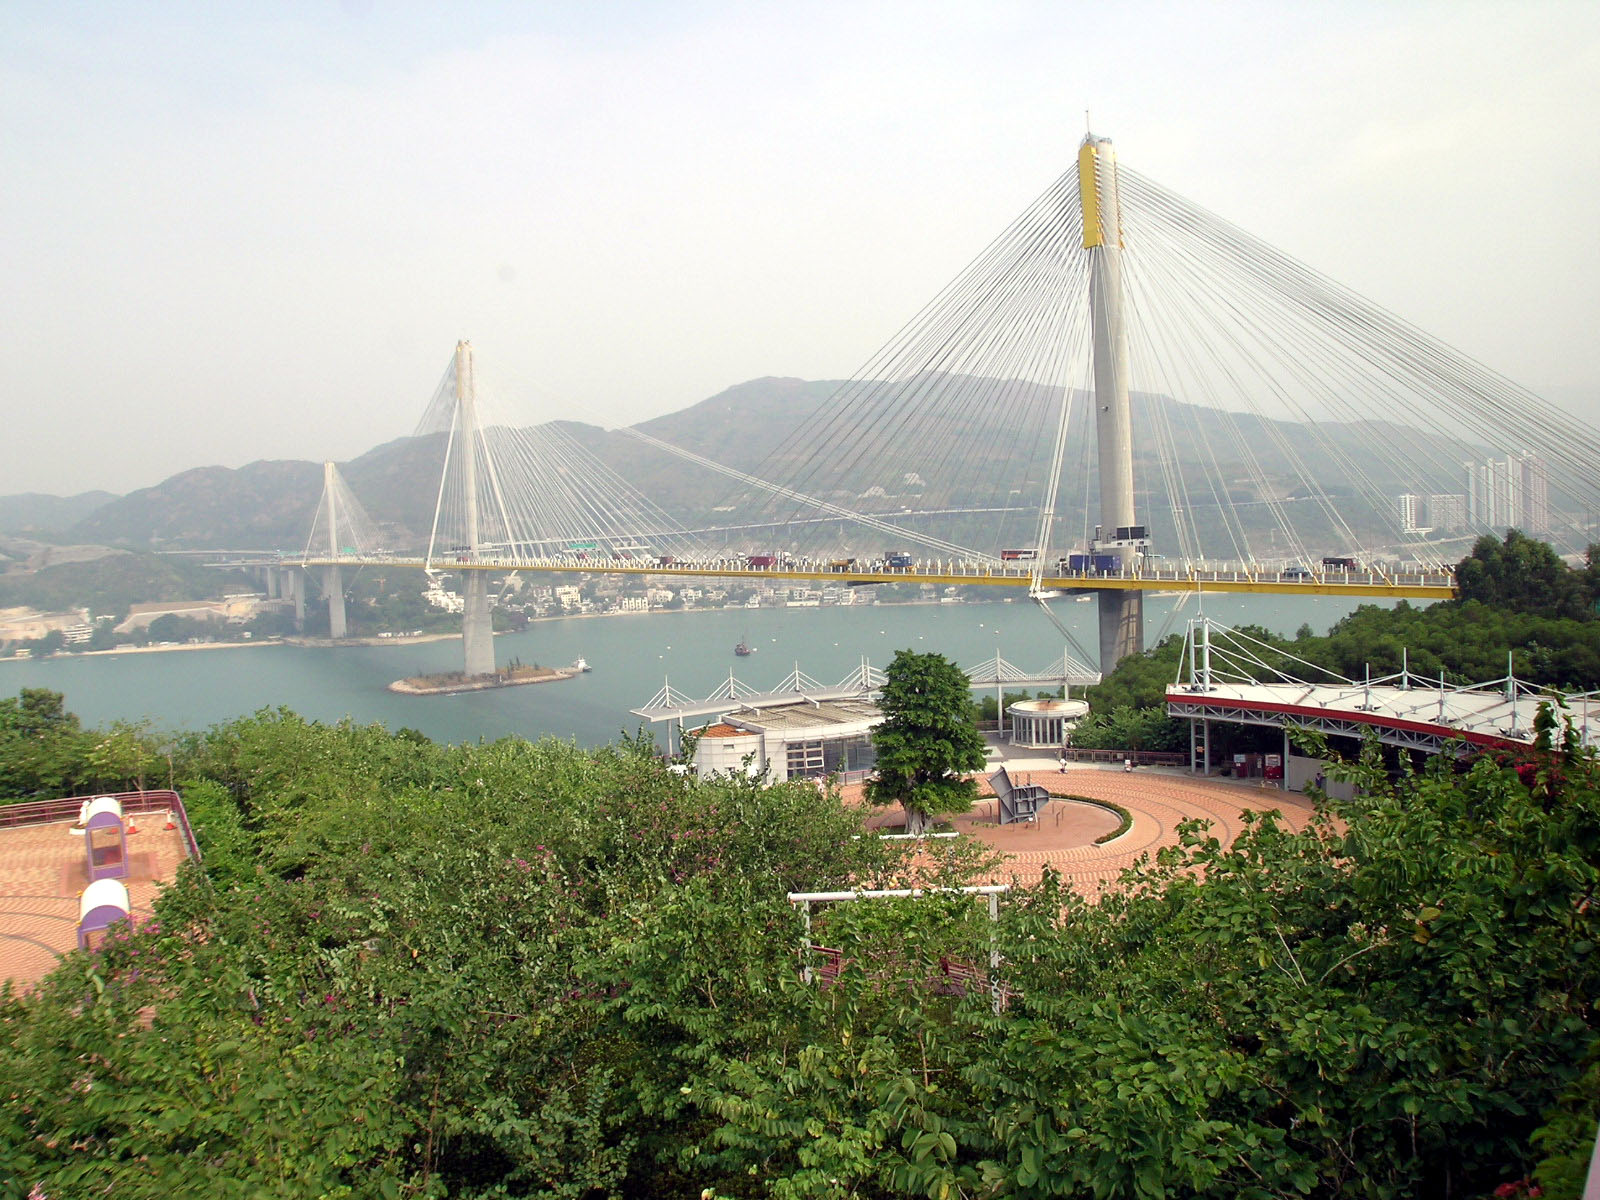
515, 675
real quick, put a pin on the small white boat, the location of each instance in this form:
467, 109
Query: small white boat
582, 665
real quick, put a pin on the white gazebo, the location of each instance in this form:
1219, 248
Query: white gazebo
1044, 723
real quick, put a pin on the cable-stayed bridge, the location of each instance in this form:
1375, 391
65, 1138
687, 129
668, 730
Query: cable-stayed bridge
1122, 393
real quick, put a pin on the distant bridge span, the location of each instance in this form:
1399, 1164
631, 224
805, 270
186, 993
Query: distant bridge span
1249, 578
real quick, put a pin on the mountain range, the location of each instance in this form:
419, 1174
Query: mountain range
270, 505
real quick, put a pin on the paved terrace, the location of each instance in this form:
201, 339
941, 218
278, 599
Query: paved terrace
43, 870
1158, 799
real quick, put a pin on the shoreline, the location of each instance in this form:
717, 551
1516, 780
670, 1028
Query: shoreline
373, 640
65, 654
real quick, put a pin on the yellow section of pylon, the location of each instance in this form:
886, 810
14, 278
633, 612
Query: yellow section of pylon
1095, 155
1089, 193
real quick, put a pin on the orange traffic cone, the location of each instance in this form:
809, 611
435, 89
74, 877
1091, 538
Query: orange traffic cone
130, 827
171, 824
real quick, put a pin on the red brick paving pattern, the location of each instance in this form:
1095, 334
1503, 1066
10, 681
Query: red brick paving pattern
42, 872
1065, 832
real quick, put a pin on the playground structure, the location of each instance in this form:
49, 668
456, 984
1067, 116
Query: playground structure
105, 839
103, 903
59, 893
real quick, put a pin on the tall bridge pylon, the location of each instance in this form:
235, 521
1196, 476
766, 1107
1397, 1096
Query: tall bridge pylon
341, 528
1121, 613
464, 448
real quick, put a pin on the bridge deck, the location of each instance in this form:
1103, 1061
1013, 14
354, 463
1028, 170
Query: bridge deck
1414, 586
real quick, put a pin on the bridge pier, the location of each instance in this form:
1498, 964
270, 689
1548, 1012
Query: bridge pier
294, 583
333, 589
1121, 627
477, 627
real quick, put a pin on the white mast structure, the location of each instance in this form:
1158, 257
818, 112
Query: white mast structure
1121, 610
333, 574
477, 629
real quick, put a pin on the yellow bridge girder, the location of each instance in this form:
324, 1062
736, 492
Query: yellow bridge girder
1431, 586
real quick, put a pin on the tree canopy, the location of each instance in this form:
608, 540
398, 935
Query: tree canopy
514, 969
927, 741
1524, 575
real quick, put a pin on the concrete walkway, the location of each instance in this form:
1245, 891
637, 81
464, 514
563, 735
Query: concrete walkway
1159, 800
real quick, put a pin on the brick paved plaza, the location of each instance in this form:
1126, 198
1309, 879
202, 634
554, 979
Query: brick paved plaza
42, 871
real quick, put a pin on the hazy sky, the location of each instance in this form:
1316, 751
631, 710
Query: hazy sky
228, 237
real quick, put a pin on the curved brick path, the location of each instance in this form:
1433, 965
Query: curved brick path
1159, 802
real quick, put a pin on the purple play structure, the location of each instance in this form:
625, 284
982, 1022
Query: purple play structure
103, 903
105, 840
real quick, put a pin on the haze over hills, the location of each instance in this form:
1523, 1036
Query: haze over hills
756, 426
38, 515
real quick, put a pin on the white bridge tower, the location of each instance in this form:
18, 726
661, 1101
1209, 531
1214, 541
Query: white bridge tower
1121, 611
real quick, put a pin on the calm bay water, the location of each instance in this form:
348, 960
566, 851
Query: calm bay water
631, 656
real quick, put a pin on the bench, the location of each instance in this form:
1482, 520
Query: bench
1017, 802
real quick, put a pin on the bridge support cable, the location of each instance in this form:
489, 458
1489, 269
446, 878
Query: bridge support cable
1047, 512
1061, 628
1226, 416
1398, 409
341, 526
1236, 334
1206, 356
960, 408
824, 506
509, 492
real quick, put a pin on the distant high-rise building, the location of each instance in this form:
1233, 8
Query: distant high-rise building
1505, 491
1534, 495
1447, 513
1410, 516
1501, 493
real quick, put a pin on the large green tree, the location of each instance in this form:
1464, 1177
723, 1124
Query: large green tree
927, 741
42, 746
1526, 576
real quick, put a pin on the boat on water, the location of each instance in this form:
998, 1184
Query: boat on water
582, 665
743, 648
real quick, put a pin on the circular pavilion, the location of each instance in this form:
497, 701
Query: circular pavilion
1044, 723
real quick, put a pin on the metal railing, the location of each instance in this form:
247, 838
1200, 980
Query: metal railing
67, 808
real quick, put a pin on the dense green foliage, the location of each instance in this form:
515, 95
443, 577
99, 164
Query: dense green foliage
927, 741
1523, 575
1128, 728
46, 752
529, 970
